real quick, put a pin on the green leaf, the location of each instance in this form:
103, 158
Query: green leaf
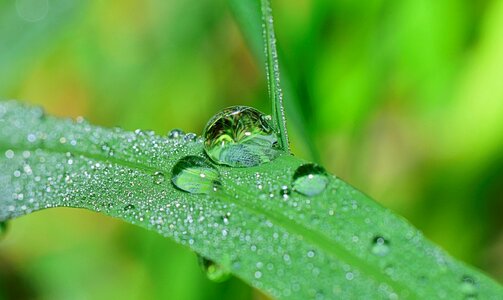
336, 244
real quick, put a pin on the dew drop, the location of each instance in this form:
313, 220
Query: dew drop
129, 207
190, 137
195, 175
9, 154
380, 246
284, 192
215, 272
175, 133
469, 287
158, 177
240, 136
107, 149
310, 180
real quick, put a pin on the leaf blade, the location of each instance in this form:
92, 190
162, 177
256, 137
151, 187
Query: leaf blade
295, 247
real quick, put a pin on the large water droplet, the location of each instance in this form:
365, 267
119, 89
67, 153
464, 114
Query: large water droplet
240, 136
469, 287
380, 246
310, 180
214, 271
195, 175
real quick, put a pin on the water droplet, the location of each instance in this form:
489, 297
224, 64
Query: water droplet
175, 133
225, 218
158, 177
240, 136
9, 154
468, 287
3, 228
195, 175
380, 246
129, 207
189, 137
310, 180
214, 271
284, 192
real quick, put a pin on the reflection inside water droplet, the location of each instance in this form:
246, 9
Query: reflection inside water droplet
240, 136
214, 271
310, 180
380, 246
195, 175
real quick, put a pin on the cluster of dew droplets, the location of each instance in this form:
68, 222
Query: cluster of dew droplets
238, 136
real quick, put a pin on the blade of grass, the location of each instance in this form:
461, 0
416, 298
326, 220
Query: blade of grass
248, 15
273, 77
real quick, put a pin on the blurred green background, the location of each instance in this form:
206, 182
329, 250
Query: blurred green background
403, 99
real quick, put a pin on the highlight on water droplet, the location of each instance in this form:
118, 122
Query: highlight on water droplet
215, 272
380, 246
310, 180
195, 175
240, 136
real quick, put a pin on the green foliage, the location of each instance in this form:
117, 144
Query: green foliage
338, 243
401, 67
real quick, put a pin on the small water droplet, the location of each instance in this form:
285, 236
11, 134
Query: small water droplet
190, 137
129, 207
310, 180
380, 246
469, 287
284, 192
175, 133
158, 177
195, 175
350, 276
226, 217
215, 272
9, 154
240, 136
